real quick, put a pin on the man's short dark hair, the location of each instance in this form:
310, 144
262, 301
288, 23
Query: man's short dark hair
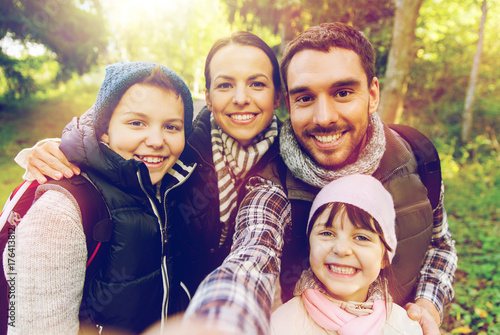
325, 36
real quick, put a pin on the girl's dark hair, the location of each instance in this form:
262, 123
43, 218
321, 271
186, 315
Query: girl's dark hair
360, 219
244, 38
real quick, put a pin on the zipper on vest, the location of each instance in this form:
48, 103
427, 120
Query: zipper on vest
164, 233
166, 284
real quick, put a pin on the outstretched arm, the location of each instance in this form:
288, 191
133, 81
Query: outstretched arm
237, 297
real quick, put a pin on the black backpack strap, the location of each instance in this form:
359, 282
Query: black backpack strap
429, 166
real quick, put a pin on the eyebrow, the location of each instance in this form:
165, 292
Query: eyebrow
336, 84
142, 115
252, 77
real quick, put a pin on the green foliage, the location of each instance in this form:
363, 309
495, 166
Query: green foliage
290, 17
176, 34
447, 34
25, 122
472, 198
72, 32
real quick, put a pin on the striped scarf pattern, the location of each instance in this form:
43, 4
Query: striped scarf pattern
232, 162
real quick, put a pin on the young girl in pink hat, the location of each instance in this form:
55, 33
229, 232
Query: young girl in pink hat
347, 289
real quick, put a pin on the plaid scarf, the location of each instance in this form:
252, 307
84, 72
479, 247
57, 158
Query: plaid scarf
232, 162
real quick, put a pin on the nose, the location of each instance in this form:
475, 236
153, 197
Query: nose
241, 96
341, 247
325, 112
155, 138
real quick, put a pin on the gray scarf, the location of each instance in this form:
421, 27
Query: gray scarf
305, 169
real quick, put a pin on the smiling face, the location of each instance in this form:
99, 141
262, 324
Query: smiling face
330, 101
346, 259
149, 129
242, 96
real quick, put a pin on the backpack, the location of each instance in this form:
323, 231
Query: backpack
429, 166
96, 221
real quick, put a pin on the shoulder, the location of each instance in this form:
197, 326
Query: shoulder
398, 156
398, 172
54, 209
398, 322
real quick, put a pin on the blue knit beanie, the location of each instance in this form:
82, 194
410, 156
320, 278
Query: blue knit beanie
120, 77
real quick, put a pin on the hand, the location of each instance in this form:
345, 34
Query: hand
426, 314
48, 160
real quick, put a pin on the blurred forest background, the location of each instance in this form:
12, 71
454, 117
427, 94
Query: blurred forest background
437, 61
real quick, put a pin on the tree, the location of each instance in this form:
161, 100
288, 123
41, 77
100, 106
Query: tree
73, 32
469, 99
290, 17
401, 57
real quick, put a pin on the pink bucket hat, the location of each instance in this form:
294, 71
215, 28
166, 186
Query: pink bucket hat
364, 192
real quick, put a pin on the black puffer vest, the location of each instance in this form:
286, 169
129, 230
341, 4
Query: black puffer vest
135, 285
398, 173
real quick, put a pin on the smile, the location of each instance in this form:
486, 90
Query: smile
242, 117
328, 138
151, 159
345, 270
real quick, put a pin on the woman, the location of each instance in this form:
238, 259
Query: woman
233, 138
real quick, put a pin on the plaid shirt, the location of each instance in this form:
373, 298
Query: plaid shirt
440, 263
237, 297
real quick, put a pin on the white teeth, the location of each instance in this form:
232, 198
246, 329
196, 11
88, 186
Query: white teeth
329, 138
242, 117
342, 269
152, 159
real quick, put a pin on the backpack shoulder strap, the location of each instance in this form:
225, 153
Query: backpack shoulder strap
96, 219
429, 166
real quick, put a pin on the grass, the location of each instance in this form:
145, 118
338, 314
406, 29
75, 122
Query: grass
472, 203
23, 124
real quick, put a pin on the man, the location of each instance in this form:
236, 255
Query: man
332, 95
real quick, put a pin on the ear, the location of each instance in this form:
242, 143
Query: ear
277, 99
105, 138
207, 99
374, 96
385, 259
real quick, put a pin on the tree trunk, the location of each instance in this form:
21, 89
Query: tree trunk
401, 57
474, 74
